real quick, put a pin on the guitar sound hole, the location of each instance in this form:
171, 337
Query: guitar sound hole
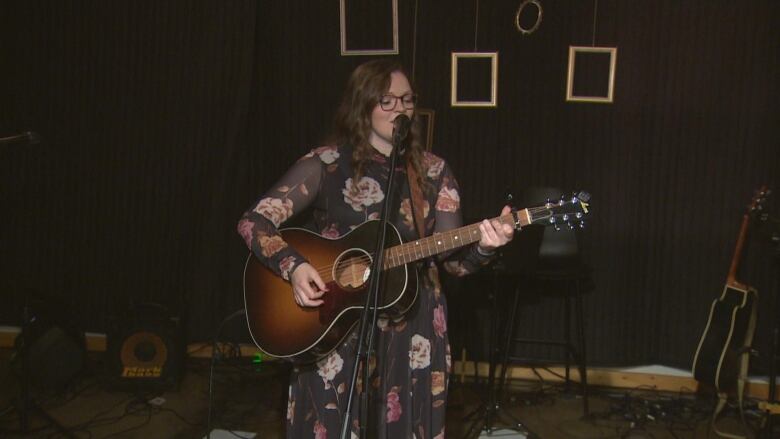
352, 269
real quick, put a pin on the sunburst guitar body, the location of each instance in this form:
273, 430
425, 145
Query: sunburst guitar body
282, 328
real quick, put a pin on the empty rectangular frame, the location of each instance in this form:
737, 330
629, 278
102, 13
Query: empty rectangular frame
367, 30
591, 75
425, 118
474, 79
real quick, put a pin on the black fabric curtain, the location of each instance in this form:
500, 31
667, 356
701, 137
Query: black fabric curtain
162, 121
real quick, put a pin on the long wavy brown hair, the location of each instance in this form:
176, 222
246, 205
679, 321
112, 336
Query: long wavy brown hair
352, 123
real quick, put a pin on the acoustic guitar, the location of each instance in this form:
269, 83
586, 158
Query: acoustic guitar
722, 352
282, 328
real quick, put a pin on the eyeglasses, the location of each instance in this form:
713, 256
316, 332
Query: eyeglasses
388, 102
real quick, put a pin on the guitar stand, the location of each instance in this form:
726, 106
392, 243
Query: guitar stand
490, 409
773, 405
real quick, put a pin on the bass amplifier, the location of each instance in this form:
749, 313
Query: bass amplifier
147, 349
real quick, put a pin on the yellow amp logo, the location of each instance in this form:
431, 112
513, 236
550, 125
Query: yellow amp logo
142, 372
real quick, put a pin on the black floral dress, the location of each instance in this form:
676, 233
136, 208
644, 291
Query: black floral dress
411, 368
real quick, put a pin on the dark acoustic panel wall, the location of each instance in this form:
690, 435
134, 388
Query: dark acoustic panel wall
162, 122
141, 106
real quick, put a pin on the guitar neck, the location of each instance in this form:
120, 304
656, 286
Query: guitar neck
755, 204
731, 279
450, 240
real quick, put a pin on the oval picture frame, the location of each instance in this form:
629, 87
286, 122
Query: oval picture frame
539, 13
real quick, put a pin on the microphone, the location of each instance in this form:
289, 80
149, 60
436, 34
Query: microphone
28, 137
401, 125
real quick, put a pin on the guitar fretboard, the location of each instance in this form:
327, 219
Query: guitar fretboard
442, 242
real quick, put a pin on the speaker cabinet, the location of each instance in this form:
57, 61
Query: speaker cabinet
54, 356
147, 349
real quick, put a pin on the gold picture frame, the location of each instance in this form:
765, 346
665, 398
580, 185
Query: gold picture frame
488, 101
426, 118
584, 52
363, 52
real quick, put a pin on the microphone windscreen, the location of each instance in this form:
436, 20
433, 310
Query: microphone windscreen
401, 125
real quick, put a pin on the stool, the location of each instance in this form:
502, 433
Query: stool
557, 265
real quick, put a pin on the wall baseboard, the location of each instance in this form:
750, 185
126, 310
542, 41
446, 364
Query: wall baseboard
605, 377
666, 381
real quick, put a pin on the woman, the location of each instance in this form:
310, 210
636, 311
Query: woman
344, 184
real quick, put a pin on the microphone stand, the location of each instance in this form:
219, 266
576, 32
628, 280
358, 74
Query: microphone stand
24, 404
366, 331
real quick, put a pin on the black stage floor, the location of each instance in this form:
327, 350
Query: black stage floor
250, 397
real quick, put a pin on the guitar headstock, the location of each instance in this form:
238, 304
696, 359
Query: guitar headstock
757, 202
568, 210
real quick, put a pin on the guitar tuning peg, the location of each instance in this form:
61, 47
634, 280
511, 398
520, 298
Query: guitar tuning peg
582, 224
508, 197
571, 226
557, 228
565, 217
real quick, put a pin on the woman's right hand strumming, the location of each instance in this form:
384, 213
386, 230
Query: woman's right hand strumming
308, 287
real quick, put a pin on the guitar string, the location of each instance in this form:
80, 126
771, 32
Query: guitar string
326, 270
365, 259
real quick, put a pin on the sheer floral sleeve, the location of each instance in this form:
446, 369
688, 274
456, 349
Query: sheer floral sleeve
293, 193
448, 216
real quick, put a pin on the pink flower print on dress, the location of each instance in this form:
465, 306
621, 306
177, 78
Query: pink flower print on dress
437, 383
245, 230
285, 266
328, 154
320, 432
362, 195
420, 353
275, 209
433, 164
393, 406
330, 366
290, 406
448, 200
331, 232
439, 321
271, 245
